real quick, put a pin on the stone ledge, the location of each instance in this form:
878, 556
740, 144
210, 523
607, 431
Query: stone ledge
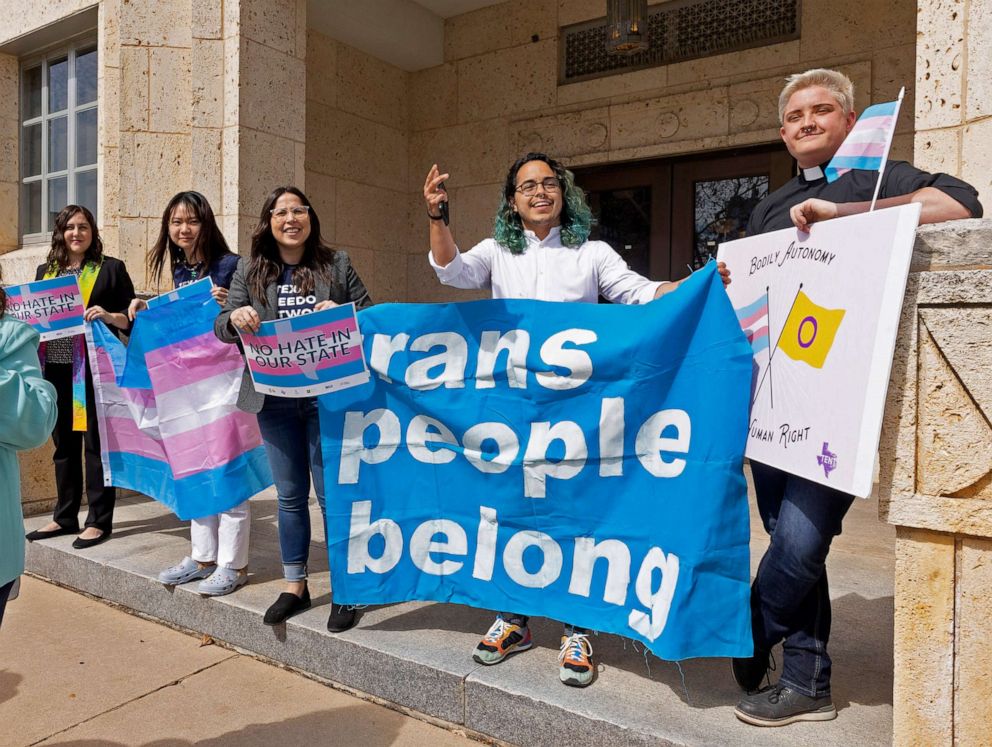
967, 516
954, 245
416, 655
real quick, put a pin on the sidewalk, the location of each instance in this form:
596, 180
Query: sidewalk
74, 671
417, 655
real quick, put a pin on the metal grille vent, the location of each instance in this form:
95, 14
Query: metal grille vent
680, 31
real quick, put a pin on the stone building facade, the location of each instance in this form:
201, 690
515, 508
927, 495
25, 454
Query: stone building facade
232, 98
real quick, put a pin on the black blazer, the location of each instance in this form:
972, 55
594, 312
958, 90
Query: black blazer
344, 287
113, 289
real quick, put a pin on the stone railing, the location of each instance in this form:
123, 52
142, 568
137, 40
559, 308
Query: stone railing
935, 486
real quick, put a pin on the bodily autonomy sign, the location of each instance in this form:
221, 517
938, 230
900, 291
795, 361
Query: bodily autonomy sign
577, 461
821, 310
53, 307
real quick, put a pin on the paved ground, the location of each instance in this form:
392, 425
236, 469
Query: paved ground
75, 671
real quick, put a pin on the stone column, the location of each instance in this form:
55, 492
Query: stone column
936, 486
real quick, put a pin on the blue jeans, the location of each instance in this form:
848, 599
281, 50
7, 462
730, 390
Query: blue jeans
291, 433
790, 600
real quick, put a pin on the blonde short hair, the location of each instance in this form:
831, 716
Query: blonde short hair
839, 85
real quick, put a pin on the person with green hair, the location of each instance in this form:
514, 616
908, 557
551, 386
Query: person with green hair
540, 249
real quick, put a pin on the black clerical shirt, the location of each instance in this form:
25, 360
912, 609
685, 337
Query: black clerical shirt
899, 178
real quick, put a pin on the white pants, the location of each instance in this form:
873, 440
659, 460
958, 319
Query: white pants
222, 538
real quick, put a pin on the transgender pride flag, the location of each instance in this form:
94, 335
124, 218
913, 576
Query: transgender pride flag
753, 319
867, 144
180, 439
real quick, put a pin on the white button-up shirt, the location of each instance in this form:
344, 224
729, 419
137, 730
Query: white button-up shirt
548, 271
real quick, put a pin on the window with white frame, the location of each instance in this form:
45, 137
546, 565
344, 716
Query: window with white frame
58, 135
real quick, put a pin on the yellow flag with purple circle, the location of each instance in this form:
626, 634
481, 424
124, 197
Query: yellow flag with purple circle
809, 331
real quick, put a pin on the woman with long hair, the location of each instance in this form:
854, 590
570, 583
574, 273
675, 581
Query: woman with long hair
27, 414
192, 245
291, 271
540, 250
107, 290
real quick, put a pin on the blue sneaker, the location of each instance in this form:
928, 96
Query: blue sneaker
188, 570
222, 581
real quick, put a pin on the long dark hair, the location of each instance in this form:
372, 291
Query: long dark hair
58, 255
576, 217
210, 243
265, 265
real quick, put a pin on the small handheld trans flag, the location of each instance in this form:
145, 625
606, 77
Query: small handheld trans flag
867, 144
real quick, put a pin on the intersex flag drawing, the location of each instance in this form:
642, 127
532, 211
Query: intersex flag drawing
809, 331
181, 439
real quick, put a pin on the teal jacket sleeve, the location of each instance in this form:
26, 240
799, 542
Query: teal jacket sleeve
27, 401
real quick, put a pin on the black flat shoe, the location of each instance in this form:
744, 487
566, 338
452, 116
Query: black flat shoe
40, 534
80, 544
287, 605
342, 618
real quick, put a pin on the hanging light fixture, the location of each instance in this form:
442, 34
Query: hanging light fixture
626, 26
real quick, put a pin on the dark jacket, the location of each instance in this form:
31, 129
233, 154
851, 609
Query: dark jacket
113, 289
345, 287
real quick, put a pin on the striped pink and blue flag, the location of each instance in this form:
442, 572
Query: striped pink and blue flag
753, 319
181, 439
867, 144
54, 307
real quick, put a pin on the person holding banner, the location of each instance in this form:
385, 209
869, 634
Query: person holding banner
194, 246
540, 250
107, 290
27, 415
790, 600
290, 271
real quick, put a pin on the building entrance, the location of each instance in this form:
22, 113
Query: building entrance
668, 215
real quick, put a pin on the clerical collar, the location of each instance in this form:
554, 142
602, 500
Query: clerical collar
812, 174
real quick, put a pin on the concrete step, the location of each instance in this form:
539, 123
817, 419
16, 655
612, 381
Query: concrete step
417, 655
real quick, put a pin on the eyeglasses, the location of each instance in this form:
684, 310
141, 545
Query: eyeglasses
300, 211
549, 184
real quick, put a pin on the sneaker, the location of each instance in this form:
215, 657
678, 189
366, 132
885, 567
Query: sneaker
222, 581
286, 605
779, 705
188, 570
342, 618
504, 638
750, 671
576, 665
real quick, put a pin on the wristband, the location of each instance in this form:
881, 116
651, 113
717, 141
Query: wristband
434, 217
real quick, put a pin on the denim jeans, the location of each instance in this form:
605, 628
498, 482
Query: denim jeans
291, 433
790, 600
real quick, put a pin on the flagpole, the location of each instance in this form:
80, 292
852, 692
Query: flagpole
888, 145
771, 352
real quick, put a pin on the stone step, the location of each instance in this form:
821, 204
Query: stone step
417, 655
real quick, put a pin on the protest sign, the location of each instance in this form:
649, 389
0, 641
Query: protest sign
174, 432
53, 307
821, 310
577, 461
307, 355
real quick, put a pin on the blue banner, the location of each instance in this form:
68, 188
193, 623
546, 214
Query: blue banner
581, 462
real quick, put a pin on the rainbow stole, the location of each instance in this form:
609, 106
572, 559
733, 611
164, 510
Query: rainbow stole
87, 279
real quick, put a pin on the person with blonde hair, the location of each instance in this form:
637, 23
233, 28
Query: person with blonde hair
790, 599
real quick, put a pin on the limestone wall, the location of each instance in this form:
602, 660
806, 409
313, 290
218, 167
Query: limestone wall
935, 485
954, 84
356, 166
497, 96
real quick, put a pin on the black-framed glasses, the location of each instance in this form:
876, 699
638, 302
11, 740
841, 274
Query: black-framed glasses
548, 183
298, 211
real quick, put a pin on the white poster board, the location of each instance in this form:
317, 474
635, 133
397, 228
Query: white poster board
821, 310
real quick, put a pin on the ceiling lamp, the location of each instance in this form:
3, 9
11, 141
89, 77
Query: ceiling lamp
626, 26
